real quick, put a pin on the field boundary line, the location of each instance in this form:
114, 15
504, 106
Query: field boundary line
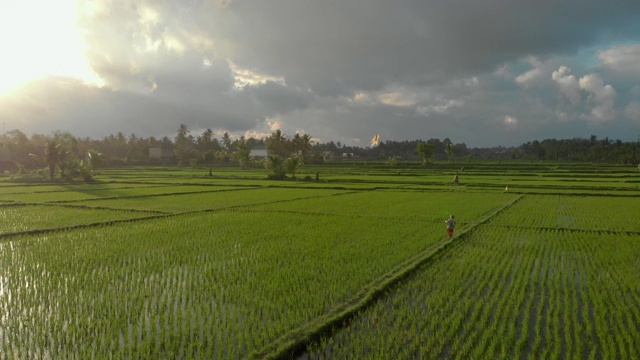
67, 190
5, 236
568, 229
178, 184
329, 214
294, 341
74, 206
160, 214
144, 196
247, 207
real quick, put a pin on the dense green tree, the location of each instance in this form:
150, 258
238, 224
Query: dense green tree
316, 155
426, 153
20, 147
184, 145
206, 142
30, 152
448, 149
209, 158
94, 160
292, 164
242, 153
121, 145
277, 145
68, 152
227, 143
275, 167
303, 145
55, 155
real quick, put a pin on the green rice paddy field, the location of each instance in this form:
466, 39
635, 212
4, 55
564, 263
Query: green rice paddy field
167, 263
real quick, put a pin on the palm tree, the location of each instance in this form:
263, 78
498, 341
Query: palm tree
121, 145
182, 140
209, 158
226, 141
448, 148
54, 156
292, 164
205, 140
243, 153
426, 152
277, 143
295, 144
275, 167
95, 160
305, 145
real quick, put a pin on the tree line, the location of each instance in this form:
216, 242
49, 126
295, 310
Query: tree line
61, 154
69, 157
577, 149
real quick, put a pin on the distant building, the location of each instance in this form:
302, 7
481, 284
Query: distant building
259, 153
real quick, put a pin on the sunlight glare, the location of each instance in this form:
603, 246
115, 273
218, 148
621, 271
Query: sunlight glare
40, 38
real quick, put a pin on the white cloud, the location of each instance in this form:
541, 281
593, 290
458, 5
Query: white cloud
503, 72
263, 129
148, 17
603, 97
424, 101
528, 78
243, 77
362, 98
256, 134
567, 84
165, 62
174, 44
533, 76
622, 59
274, 124
397, 98
441, 107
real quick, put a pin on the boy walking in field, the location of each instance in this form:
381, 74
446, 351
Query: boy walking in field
451, 223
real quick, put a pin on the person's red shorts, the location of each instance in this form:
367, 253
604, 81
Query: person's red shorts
449, 232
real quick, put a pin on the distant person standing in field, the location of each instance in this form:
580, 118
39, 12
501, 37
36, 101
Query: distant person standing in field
451, 223
455, 179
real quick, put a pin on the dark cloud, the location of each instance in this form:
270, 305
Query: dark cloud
480, 72
276, 98
367, 45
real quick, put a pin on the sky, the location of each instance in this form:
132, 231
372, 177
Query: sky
480, 72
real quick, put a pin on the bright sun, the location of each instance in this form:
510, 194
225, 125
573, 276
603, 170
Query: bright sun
40, 38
